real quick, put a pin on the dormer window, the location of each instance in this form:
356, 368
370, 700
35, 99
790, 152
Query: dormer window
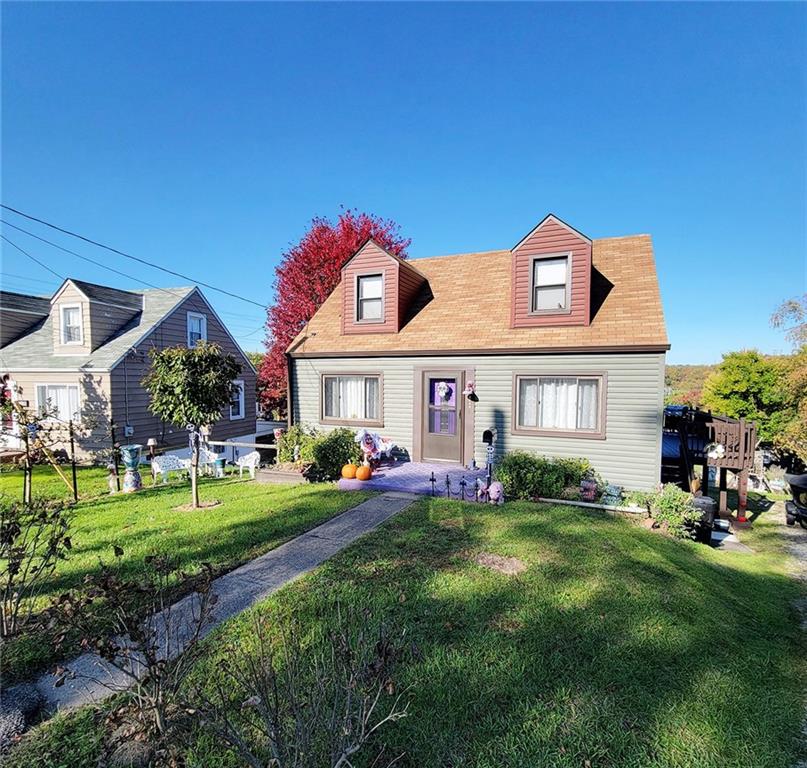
370, 298
551, 284
72, 331
197, 328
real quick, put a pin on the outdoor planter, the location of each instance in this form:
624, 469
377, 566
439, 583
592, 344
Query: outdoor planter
288, 474
130, 454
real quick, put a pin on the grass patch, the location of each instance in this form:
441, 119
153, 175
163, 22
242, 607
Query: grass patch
251, 519
616, 647
46, 483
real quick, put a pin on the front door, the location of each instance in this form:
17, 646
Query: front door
441, 422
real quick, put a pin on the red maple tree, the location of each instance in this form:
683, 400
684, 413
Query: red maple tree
307, 274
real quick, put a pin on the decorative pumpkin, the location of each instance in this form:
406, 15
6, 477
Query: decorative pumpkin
364, 472
349, 471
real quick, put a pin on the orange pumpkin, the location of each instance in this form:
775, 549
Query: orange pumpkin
364, 472
349, 471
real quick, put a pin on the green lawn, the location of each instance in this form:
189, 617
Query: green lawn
252, 519
617, 647
91, 481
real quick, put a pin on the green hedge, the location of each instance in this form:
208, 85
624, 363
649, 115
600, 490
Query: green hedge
525, 475
323, 453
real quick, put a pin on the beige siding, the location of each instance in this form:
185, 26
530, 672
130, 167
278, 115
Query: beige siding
131, 401
629, 455
92, 438
370, 260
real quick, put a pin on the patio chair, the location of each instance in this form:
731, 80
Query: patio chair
249, 461
207, 461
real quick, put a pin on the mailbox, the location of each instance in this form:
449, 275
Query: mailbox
489, 436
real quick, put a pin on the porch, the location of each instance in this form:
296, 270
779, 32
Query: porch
416, 477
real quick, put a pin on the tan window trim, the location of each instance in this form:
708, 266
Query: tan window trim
336, 422
577, 434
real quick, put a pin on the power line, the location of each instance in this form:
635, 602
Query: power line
87, 258
25, 253
25, 277
129, 256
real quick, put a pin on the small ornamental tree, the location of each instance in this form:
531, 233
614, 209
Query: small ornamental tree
189, 388
308, 273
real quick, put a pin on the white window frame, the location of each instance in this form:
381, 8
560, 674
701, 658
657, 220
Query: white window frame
602, 394
40, 404
372, 320
63, 327
195, 316
241, 401
568, 299
338, 420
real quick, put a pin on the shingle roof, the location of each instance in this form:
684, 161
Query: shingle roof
470, 309
109, 295
24, 302
35, 349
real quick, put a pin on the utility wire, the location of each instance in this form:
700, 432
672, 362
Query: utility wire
129, 256
87, 258
104, 266
32, 258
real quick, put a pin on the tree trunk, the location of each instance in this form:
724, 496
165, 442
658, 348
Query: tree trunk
194, 470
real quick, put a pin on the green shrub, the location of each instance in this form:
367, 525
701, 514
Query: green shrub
527, 476
675, 511
332, 451
519, 473
296, 435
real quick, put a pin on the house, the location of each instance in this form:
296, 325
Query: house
85, 350
556, 346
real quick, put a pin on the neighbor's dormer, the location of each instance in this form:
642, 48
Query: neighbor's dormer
551, 271
84, 315
377, 290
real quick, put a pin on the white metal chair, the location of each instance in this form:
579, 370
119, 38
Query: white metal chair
250, 461
207, 461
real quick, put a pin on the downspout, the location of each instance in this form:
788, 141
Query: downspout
289, 397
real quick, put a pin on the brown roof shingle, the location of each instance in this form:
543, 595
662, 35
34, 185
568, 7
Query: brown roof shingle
470, 309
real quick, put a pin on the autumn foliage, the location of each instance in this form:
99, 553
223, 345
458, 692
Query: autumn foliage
308, 273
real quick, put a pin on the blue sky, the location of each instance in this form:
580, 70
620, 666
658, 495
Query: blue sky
206, 136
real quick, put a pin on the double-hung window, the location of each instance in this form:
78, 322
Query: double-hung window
550, 283
352, 398
237, 402
370, 298
197, 328
58, 401
560, 404
72, 331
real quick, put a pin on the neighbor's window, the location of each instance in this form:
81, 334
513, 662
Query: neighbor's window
58, 401
369, 297
351, 398
550, 284
197, 328
237, 402
562, 403
71, 325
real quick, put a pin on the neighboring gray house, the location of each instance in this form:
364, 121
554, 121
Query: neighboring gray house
561, 338
86, 350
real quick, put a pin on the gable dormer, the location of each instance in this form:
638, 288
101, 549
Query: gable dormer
85, 316
551, 277
377, 290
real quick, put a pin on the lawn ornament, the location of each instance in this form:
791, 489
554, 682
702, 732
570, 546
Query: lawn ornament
349, 471
496, 493
131, 460
364, 472
370, 444
112, 478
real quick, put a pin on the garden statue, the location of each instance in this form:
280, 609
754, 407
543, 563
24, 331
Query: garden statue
131, 460
370, 444
112, 478
493, 493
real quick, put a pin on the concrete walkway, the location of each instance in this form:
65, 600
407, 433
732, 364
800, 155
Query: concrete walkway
95, 679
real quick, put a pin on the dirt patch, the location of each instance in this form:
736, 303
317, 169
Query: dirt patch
202, 505
509, 566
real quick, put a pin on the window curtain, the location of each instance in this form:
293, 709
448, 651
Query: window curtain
61, 399
558, 409
588, 400
528, 402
